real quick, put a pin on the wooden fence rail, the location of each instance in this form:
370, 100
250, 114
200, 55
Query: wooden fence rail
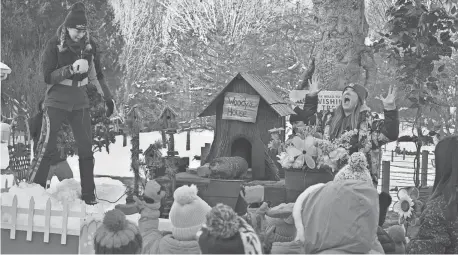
48, 214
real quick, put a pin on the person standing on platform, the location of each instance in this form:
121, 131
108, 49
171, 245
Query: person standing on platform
70, 62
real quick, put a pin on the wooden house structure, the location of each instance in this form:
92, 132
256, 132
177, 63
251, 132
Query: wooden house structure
245, 110
168, 118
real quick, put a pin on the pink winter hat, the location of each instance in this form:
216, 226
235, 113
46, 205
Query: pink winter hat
187, 213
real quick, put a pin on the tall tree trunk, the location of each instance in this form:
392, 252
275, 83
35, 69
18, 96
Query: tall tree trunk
340, 55
135, 162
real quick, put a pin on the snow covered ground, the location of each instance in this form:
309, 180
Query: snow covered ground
109, 191
117, 163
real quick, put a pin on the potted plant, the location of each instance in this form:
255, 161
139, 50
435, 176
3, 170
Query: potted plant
308, 159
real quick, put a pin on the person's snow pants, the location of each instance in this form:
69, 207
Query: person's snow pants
80, 122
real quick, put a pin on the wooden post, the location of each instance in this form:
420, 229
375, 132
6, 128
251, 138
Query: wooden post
404, 154
392, 156
164, 139
386, 176
171, 148
424, 168
204, 153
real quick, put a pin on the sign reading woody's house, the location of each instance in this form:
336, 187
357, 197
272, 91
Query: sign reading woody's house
240, 106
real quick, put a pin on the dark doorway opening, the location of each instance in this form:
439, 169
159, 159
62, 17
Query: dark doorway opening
242, 147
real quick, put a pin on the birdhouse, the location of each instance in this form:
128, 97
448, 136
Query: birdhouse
168, 118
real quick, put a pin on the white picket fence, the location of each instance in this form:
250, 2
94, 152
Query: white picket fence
48, 213
6, 188
89, 222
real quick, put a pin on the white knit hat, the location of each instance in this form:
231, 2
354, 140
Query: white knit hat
187, 213
357, 169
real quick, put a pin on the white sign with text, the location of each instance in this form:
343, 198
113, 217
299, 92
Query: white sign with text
240, 106
327, 100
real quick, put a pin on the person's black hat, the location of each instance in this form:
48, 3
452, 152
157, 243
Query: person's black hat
76, 18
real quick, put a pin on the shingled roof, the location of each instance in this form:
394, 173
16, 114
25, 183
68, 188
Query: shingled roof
279, 105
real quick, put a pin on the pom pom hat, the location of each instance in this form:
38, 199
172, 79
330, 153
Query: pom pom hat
227, 233
187, 213
117, 235
357, 169
76, 18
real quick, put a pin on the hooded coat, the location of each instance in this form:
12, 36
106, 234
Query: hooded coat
338, 217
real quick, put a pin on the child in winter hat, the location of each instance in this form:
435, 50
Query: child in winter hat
227, 233
117, 235
356, 169
187, 213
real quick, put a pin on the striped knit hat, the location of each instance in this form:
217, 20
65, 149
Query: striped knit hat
227, 233
117, 235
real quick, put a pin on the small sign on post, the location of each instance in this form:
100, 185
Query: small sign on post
327, 100
241, 107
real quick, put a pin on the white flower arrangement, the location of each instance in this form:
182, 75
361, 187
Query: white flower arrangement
307, 149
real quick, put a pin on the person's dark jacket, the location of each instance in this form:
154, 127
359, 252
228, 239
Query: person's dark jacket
57, 68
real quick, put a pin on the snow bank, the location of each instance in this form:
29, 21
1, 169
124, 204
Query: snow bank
70, 191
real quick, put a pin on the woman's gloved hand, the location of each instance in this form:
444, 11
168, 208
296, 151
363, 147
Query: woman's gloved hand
80, 66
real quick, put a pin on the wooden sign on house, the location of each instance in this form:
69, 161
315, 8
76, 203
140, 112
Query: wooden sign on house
244, 132
240, 106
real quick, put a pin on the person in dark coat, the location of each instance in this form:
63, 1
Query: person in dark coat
70, 62
353, 114
385, 240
